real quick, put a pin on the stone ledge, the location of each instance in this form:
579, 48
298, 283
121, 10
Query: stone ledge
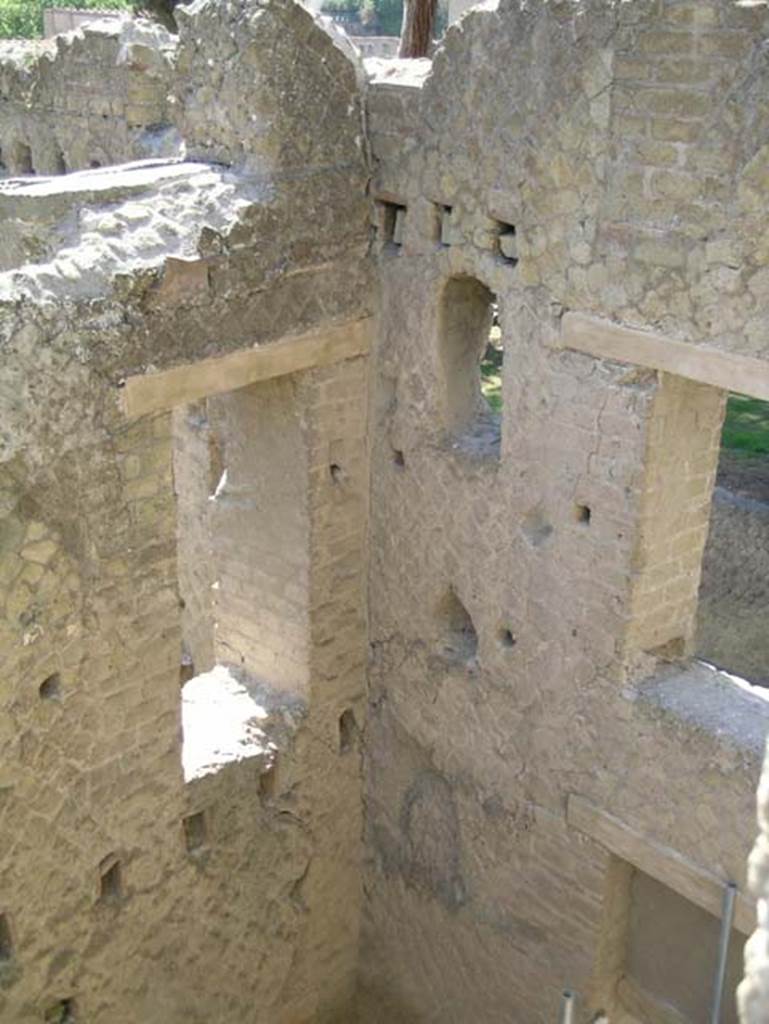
97, 184
146, 393
721, 707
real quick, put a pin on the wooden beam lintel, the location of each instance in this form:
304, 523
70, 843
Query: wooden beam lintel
606, 340
155, 392
677, 872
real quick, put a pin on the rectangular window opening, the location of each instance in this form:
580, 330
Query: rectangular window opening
471, 353
671, 955
491, 364
657, 952
243, 567
733, 599
392, 224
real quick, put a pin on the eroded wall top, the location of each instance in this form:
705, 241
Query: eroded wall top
261, 84
87, 98
116, 272
627, 142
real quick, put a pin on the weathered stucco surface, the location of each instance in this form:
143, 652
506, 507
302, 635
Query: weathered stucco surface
591, 129
91, 97
243, 447
112, 273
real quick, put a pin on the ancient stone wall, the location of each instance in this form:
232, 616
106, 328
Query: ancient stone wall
242, 430
137, 887
528, 742
92, 97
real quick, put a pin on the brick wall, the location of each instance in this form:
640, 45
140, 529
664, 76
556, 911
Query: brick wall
680, 466
623, 144
260, 531
91, 781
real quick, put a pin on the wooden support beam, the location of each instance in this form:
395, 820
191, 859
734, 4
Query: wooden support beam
607, 340
668, 866
153, 392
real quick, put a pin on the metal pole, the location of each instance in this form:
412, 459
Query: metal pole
567, 1008
727, 920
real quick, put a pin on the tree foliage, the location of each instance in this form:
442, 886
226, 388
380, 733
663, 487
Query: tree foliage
23, 19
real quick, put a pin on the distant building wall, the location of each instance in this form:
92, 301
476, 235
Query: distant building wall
377, 46
91, 97
63, 19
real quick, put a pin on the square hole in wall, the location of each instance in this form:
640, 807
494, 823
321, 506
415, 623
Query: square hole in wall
348, 732
507, 243
195, 832
458, 639
6, 940
22, 159
110, 880
582, 514
506, 638
50, 688
63, 1011
392, 223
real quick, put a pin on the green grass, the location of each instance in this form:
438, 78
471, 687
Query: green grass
491, 371
746, 427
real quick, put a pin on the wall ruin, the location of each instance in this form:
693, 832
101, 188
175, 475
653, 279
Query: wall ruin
244, 448
512, 794
89, 98
139, 893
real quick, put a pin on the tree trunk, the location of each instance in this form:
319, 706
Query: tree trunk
417, 31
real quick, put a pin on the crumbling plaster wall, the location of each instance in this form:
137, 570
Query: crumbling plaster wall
131, 271
91, 97
592, 129
584, 127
